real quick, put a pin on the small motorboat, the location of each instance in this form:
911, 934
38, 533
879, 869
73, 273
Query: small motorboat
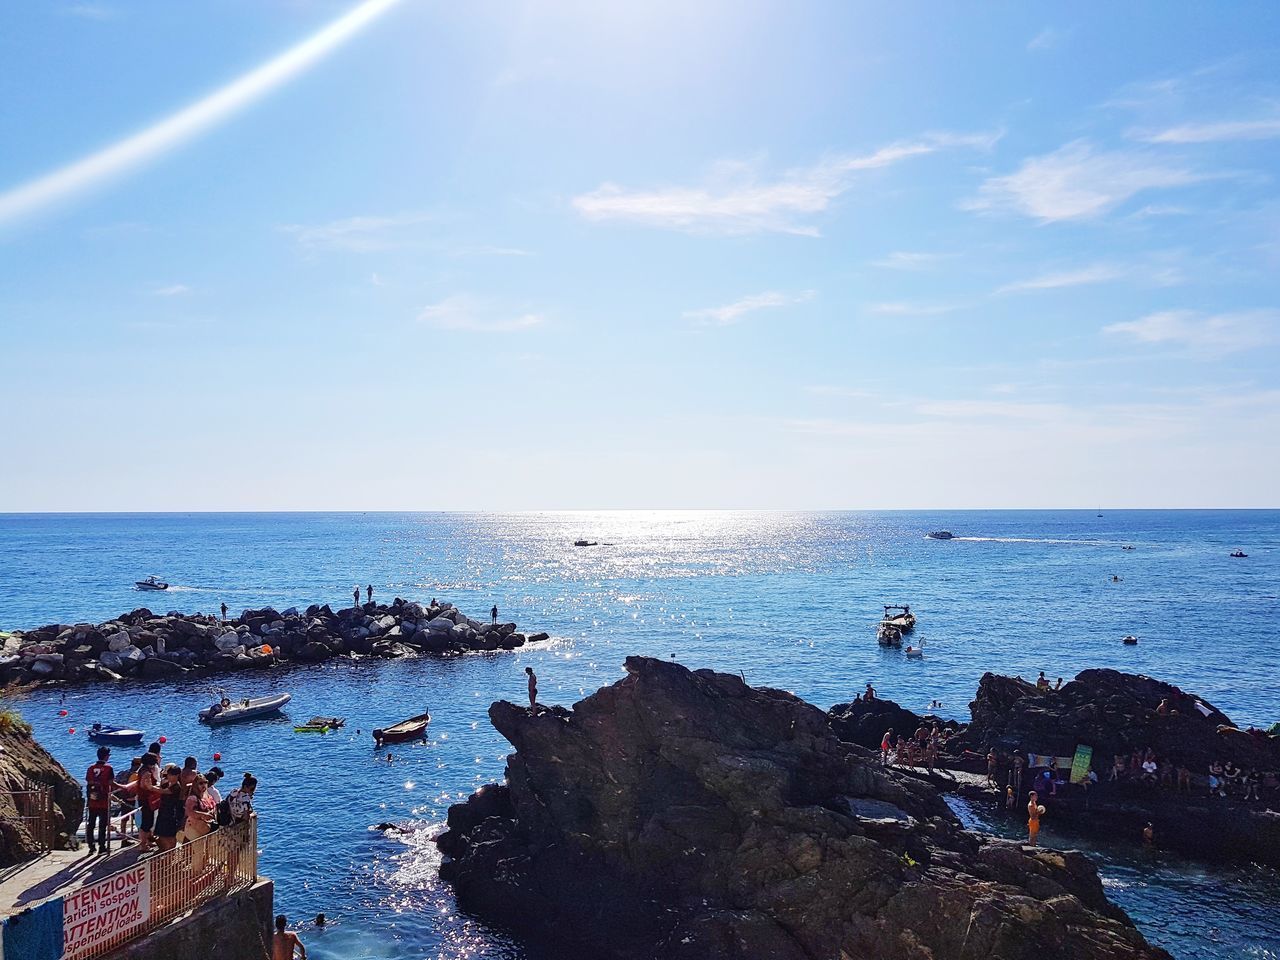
900, 617
1127, 547
247, 709
333, 723
113, 736
1239, 554
939, 535
415, 728
888, 635
1129, 641
586, 543
151, 583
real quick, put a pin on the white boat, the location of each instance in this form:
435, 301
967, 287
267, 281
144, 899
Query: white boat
151, 583
233, 712
939, 535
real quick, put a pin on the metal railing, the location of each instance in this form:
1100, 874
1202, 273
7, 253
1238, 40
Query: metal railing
132, 902
33, 803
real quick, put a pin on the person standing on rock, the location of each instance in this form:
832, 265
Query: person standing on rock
494, 614
870, 693
355, 594
886, 744
1034, 813
369, 589
224, 613
533, 689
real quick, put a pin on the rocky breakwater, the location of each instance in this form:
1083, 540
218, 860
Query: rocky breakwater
682, 814
145, 644
25, 764
1121, 713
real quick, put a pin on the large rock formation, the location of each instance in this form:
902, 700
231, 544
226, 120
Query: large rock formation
685, 815
25, 764
149, 645
864, 722
1119, 713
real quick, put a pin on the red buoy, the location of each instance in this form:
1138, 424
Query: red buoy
217, 757
71, 729
62, 713
164, 739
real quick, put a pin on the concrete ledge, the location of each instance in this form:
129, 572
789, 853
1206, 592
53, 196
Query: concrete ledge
236, 927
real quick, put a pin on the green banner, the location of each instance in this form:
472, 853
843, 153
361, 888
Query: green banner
1080, 763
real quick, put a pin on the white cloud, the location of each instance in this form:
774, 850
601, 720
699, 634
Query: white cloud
172, 290
1097, 273
1263, 129
92, 11
1211, 335
909, 308
735, 202
356, 234
132, 152
907, 260
731, 313
1077, 182
1046, 39
461, 312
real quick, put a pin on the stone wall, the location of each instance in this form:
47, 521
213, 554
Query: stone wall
236, 927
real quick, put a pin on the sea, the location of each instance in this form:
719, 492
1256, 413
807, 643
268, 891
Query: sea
788, 600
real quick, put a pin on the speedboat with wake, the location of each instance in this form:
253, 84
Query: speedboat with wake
151, 583
939, 535
225, 711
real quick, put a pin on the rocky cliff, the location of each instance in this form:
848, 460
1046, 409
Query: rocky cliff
864, 722
23, 762
145, 644
682, 814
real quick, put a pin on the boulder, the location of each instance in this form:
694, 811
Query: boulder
440, 625
682, 814
865, 722
228, 642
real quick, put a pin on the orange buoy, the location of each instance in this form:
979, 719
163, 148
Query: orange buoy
266, 648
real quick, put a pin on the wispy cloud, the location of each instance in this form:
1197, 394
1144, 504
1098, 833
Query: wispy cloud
1207, 335
1046, 39
731, 313
911, 308
1097, 273
171, 290
132, 152
842, 393
356, 234
462, 312
735, 201
910, 260
91, 11
1267, 128
1078, 182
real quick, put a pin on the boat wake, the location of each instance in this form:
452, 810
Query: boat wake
1081, 542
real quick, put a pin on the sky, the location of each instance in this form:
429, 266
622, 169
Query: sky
557, 254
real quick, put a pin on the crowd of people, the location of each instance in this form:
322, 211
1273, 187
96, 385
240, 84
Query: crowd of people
919, 749
174, 804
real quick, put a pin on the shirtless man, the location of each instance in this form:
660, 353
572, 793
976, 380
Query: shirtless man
285, 944
533, 689
1034, 812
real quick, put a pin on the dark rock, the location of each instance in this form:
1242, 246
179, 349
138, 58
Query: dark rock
684, 814
23, 760
154, 668
865, 722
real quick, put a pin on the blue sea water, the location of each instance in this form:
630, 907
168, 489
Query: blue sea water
788, 600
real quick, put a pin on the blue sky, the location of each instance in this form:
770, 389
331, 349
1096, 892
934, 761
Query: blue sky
564, 254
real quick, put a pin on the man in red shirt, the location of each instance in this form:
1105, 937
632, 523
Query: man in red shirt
99, 781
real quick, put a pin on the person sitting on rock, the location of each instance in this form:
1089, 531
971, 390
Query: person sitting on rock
1184, 777
1230, 778
1215, 780
1250, 780
1118, 766
870, 693
1163, 709
1149, 768
1042, 682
